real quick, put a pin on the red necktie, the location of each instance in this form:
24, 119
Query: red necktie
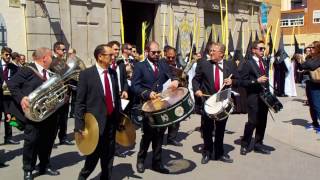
6, 73
216, 78
108, 96
114, 66
44, 74
262, 70
156, 70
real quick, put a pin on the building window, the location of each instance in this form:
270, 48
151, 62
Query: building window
316, 16
3, 33
291, 20
298, 4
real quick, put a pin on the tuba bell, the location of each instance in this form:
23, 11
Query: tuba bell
52, 94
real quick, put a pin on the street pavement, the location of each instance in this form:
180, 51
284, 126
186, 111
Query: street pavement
295, 152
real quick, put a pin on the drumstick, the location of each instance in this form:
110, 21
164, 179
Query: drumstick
206, 95
224, 84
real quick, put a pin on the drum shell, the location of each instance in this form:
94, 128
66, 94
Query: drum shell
223, 114
177, 112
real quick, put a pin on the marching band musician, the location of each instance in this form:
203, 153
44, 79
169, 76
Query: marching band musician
148, 79
254, 77
170, 58
59, 65
39, 136
98, 93
208, 80
122, 80
7, 70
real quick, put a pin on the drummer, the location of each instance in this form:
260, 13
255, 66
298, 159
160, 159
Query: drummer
147, 81
210, 77
170, 58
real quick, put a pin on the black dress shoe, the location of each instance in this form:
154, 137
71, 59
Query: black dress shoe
118, 154
140, 167
10, 141
174, 143
161, 169
260, 149
225, 159
3, 165
205, 159
49, 172
243, 150
66, 142
28, 175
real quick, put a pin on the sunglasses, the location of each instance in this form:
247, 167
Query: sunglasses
7, 54
261, 48
155, 52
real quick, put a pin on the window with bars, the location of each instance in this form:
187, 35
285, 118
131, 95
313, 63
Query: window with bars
316, 16
292, 20
3, 32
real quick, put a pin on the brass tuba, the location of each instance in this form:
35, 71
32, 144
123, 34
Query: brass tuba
52, 94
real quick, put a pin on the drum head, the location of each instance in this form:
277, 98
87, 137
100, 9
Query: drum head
168, 98
211, 106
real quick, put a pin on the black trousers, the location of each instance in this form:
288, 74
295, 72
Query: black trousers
257, 120
62, 116
173, 131
38, 141
208, 125
154, 135
104, 151
73, 101
7, 100
312, 111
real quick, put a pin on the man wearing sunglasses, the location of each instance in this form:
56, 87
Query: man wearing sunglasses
7, 70
147, 81
59, 66
254, 77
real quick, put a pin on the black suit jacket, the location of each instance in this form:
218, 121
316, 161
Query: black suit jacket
144, 81
123, 77
204, 80
90, 98
22, 84
249, 73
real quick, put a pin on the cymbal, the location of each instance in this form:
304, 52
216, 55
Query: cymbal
89, 140
127, 135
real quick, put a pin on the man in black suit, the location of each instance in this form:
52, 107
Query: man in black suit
98, 93
120, 68
148, 79
59, 66
7, 70
254, 77
170, 58
39, 136
209, 79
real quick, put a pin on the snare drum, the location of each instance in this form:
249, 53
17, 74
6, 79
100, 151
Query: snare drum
219, 105
173, 106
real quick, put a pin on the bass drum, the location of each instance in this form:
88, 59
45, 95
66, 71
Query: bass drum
173, 106
136, 114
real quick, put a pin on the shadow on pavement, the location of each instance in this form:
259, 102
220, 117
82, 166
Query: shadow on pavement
298, 122
66, 159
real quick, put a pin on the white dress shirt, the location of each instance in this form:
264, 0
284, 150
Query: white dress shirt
101, 75
4, 65
152, 65
256, 59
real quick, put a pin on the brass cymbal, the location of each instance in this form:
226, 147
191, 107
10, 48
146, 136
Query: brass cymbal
89, 140
127, 135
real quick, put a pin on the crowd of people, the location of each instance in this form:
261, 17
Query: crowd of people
114, 77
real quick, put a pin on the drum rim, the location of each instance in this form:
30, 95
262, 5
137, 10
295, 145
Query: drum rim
169, 108
175, 121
